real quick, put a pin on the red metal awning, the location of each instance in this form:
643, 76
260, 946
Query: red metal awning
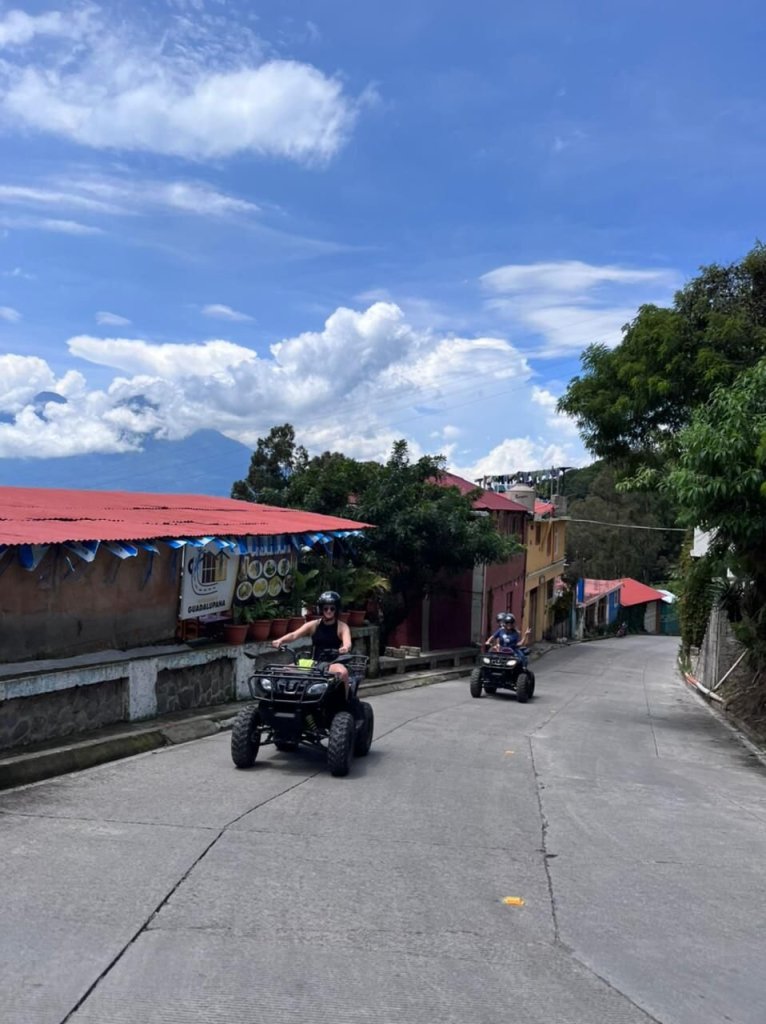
37, 515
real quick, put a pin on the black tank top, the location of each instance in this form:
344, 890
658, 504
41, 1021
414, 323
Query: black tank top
326, 637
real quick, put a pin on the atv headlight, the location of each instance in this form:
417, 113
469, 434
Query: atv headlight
511, 663
486, 661
316, 689
265, 684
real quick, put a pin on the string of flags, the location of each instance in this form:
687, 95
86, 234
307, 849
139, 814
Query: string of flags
31, 555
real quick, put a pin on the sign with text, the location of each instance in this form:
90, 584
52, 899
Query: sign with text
209, 579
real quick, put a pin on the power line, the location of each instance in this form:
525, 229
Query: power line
630, 526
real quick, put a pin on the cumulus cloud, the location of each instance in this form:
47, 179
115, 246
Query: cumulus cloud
366, 378
220, 312
107, 86
9, 314
570, 304
111, 319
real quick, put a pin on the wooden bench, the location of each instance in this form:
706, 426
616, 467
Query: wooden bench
453, 657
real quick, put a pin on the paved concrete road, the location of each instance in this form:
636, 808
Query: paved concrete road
173, 888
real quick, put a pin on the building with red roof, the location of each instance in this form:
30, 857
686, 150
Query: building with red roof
89, 570
602, 603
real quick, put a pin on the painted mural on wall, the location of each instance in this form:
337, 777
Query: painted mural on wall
265, 577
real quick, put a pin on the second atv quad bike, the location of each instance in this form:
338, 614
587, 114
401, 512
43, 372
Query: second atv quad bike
302, 702
503, 669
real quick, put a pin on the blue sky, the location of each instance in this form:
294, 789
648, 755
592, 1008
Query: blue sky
372, 220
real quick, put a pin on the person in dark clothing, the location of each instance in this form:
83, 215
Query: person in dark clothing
327, 633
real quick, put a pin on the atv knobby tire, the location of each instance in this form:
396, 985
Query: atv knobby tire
246, 737
523, 688
363, 740
341, 744
531, 677
476, 682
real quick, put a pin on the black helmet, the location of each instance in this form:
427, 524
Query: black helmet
328, 597
500, 616
510, 619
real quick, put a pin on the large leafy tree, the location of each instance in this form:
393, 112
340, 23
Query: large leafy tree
719, 483
630, 402
276, 459
425, 533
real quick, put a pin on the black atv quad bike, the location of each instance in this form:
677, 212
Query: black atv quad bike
301, 701
503, 669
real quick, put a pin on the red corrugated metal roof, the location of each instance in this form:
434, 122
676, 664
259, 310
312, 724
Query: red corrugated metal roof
37, 515
490, 500
634, 592
596, 588
543, 508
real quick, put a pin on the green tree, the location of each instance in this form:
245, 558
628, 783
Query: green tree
274, 462
719, 483
630, 402
426, 533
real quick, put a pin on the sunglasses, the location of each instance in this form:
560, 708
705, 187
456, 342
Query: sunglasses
328, 607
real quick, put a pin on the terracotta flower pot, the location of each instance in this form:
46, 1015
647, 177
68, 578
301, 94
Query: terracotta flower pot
278, 628
259, 630
344, 616
356, 617
235, 633
312, 615
295, 623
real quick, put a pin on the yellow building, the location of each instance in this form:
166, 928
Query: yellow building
546, 546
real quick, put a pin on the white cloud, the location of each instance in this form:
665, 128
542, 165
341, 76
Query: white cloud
192, 96
19, 28
111, 319
521, 453
558, 422
24, 195
220, 312
57, 226
366, 378
9, 314
570, 304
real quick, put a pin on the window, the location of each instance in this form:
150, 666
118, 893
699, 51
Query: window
213, 569
549, 590
537, 534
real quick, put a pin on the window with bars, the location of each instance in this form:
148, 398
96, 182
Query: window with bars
213, 568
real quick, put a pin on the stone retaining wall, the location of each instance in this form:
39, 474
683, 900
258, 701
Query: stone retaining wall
42, 701
25, 720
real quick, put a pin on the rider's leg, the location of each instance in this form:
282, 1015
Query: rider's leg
342, 672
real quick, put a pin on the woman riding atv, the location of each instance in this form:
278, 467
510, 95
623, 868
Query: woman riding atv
507, 636
327, 633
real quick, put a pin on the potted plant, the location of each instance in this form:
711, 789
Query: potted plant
236, 632
261, 613
365, 584
300, 594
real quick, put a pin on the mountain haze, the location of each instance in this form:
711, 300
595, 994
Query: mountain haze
203, 463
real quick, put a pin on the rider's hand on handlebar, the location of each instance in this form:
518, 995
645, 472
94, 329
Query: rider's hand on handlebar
344, 649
